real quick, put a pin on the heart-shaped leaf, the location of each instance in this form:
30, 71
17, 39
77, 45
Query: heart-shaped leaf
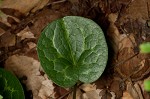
72, 49
10, 87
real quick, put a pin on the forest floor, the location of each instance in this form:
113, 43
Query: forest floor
126, 24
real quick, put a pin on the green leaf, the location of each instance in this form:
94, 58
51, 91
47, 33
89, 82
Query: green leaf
145, 47
72, 49
10, 87
147, 85
1, 97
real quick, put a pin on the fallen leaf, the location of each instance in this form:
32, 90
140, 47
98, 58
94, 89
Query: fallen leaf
117, 87
88, 87
25, 66
31, 45
24, 6
7, 40
112, 17
126, 41
134, 90
46, 89
25, 33
40, 5
113, 32
3, 18
78, 94
1, 31
136, 68
126, 95
91, 95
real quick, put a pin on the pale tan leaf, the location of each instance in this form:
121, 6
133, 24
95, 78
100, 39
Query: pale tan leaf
25, 33
78, 94
23, 6
40, 5
91, 95
31, 45
126, 95
126, 41
113, 17
88, 87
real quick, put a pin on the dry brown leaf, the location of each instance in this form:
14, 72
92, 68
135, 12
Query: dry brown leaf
5, 20
1, 31
25, 33
126, 95
90, 92
113, 32
126, 41
46, 89
134, 90
117, 87
24, 6
25, 66
113, 17
78, 94
7, 40
94, 94
31, 45
136, 67
40, 5
88, 87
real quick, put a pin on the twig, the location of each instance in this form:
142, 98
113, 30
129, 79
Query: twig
124, 61
121, 9
56, 2
127, 35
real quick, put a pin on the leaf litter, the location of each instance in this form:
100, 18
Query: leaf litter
125, 31
22, 66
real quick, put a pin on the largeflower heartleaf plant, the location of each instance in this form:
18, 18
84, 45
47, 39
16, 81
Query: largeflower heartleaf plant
10, 87
72, 49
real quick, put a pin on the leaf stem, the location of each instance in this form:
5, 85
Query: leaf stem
74, 91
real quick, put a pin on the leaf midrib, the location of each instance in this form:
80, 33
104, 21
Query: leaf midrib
66, 33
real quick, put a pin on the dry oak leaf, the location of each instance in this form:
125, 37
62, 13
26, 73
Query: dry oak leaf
41, 87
